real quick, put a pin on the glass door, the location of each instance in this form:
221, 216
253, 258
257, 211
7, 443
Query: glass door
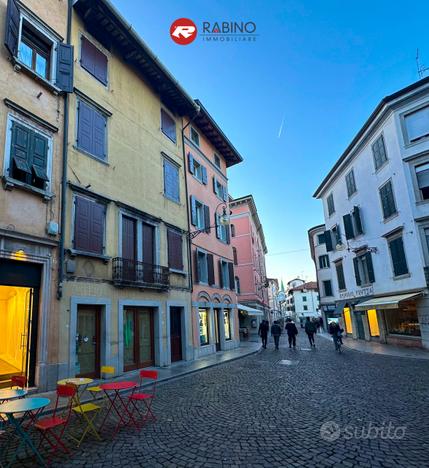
88, 341
217, 332
130, 355
176, 333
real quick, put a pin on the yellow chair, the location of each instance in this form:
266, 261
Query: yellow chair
84, 411
105, 372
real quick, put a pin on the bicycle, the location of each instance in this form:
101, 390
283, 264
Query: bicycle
337, 343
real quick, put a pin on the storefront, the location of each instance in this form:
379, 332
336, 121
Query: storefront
249, 319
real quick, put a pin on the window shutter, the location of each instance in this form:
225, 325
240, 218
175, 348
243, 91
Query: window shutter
235, 256
210, 269
338, 234
99, 135
356, 268
228, 235
220, 274
97, 227
193, 211
358, 220
348, 226
191, 163
93, 60
12, 28
40, 156
175, 252
214, 185
217, 226
85, 124
204, 174
320, 261
224, 193
370, 267
82, 224
64, 78
207, 218
398, 256
197, 266
231, 275
21, 147
100, 66
328, 241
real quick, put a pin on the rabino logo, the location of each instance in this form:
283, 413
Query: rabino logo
183, 31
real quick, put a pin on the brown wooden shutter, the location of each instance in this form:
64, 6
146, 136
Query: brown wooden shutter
175, 252
12, 28
129, 238
231, 275
84, 128
210, 269
93, 60
65, 63
82, 224
97, 228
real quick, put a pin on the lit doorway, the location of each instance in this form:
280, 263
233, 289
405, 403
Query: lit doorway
17, 353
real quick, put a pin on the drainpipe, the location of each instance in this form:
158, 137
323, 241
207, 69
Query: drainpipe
64, 171
191, 287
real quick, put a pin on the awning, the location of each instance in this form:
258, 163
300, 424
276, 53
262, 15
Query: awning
386, 302
338, 309
250, 311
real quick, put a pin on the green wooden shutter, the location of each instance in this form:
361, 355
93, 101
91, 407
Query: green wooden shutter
40, 156
217, 226
398, 256
356, 268
370, 267
21, 148
65, 63
12, 27
348, 226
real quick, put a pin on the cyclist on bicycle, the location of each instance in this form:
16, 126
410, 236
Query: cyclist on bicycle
336, 332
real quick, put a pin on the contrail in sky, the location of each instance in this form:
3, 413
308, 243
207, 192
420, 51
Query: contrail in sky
281, 127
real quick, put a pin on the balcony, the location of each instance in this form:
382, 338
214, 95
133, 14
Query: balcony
131, 273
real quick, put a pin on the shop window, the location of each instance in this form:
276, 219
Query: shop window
227, 324
204, 326
402, 322
348, 320
374, 329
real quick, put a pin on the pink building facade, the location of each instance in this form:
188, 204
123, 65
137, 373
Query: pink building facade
249, 249
209, 154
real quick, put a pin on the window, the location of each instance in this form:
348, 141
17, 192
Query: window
340, 276
357, 221
227, 324
222, 230
422, 174
417, 124
323, 261
91, 130
397, 254
379, 152
364, 270
202, 267
171, 180
37, 49
403, 322
305, 307
93, 60
168, 125
226, 274
217, 161
234, 254
304, 298
220, 190
327, 287
330, 202
204, 326
348, 320
232, 227
336, 232
387, 200
195, 137
320, 239
30, 155
175, 249
200, 214
89, 225
374, 329
196, 169
351, 184
237, 285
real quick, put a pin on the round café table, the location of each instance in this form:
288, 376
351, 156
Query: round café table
81, 384
30, 407
7, 394
117, 403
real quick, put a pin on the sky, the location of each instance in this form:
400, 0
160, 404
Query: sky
320, 67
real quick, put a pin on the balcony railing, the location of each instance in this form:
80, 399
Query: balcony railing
139, 274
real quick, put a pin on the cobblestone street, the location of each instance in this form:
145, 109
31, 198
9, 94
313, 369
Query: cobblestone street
257, 411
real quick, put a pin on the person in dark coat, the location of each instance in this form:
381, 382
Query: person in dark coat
310, 329
291, 331
263, 332
276, 331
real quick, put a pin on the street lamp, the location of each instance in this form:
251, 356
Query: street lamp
223, 220
339, 246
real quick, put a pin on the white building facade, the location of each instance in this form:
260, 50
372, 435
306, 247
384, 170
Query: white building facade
302, 300
376, 209
273, 299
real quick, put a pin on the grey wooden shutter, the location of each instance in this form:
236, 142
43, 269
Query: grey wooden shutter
97, 227
21, 147
210, 269
196, 266
191, 163
214, 185
82, 223
358, 220
221, 274
328, 241
84, 129
207, 218
99, 135
40, 156
398, 256
348, 226
12, 28
193, 211
64, 78
204, 174
231, 275
356, 268
370, 267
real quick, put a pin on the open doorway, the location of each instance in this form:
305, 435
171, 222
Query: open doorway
16, 350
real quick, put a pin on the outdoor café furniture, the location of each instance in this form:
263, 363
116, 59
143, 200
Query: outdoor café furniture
25, 407
7, 394
118, 404
105, 371
145, 395
87, 412
80, 383
19, 381
52, 427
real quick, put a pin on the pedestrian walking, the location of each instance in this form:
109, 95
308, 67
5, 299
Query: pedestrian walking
291, 331
321, 322
276, 331
263, 332
315, 323
310, 329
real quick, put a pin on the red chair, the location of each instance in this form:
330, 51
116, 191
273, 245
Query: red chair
19, 381
145, 395
52, 427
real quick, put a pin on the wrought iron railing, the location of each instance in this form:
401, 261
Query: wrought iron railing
139, 274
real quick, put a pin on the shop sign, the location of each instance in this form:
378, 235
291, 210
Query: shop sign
357, 293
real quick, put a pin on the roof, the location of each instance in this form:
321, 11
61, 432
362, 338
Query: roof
254, 212
309, 285
384, 102
108, 26
205, 122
